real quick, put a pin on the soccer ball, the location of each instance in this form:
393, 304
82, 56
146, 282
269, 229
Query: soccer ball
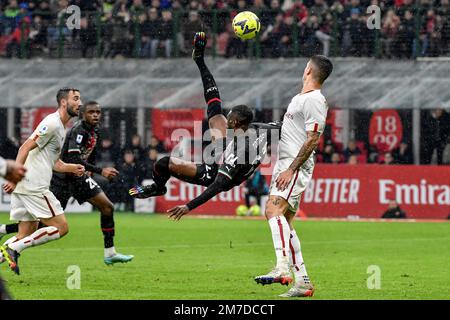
241, 210
255, 210
246, 25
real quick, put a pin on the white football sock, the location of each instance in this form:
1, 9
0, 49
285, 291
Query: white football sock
10, 240
39, 237
109, 252
280, 236
295, 256
3, 228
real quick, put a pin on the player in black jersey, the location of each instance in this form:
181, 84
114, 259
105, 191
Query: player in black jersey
242, 150
80, 147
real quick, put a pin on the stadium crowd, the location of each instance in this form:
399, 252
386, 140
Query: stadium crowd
153, 28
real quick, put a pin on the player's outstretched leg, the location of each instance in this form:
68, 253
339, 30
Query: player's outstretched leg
8, 228
57, 228
302, 286
161, 174
106, 208
279, 226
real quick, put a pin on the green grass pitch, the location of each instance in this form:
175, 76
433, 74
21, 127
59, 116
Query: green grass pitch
218, 259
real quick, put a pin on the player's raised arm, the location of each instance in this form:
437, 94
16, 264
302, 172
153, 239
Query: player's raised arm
216, 119
219, 185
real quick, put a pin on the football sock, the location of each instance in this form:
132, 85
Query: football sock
295, 256
109, 252
210, 90
280, 236
10, 240
37, 238
107, 225
161, 172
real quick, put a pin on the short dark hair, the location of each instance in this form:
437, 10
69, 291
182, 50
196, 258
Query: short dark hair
243, 114
323, 66
63, 93
89, 103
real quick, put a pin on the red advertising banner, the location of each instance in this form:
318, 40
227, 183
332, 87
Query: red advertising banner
342, 190
165, 122
30, 118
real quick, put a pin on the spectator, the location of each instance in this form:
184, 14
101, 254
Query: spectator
155, 143
150, 162
351, 149
107, 153
335, 158
319, 9
120, 38
274, 11
43, 11
150, 32
130, 175
388, 158
275, 38
38, 36
311, 29
435, 134
353, 159
389, 31
444, 13
406, 36
87, 37
256, 186
323, 34
166, 33
235, 47
327, 152
136, 147
394, 211
193, 25
136, 9
403, 154
353, 34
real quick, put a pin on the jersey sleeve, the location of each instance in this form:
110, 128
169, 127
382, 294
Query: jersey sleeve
44, 133
220, 184
315, 113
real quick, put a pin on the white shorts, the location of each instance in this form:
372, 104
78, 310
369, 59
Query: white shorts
26, 207
298, 184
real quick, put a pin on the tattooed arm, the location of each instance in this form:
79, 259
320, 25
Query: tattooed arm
308, 147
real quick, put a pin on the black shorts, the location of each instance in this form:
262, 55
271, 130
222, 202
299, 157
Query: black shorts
81, 189
206, 174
